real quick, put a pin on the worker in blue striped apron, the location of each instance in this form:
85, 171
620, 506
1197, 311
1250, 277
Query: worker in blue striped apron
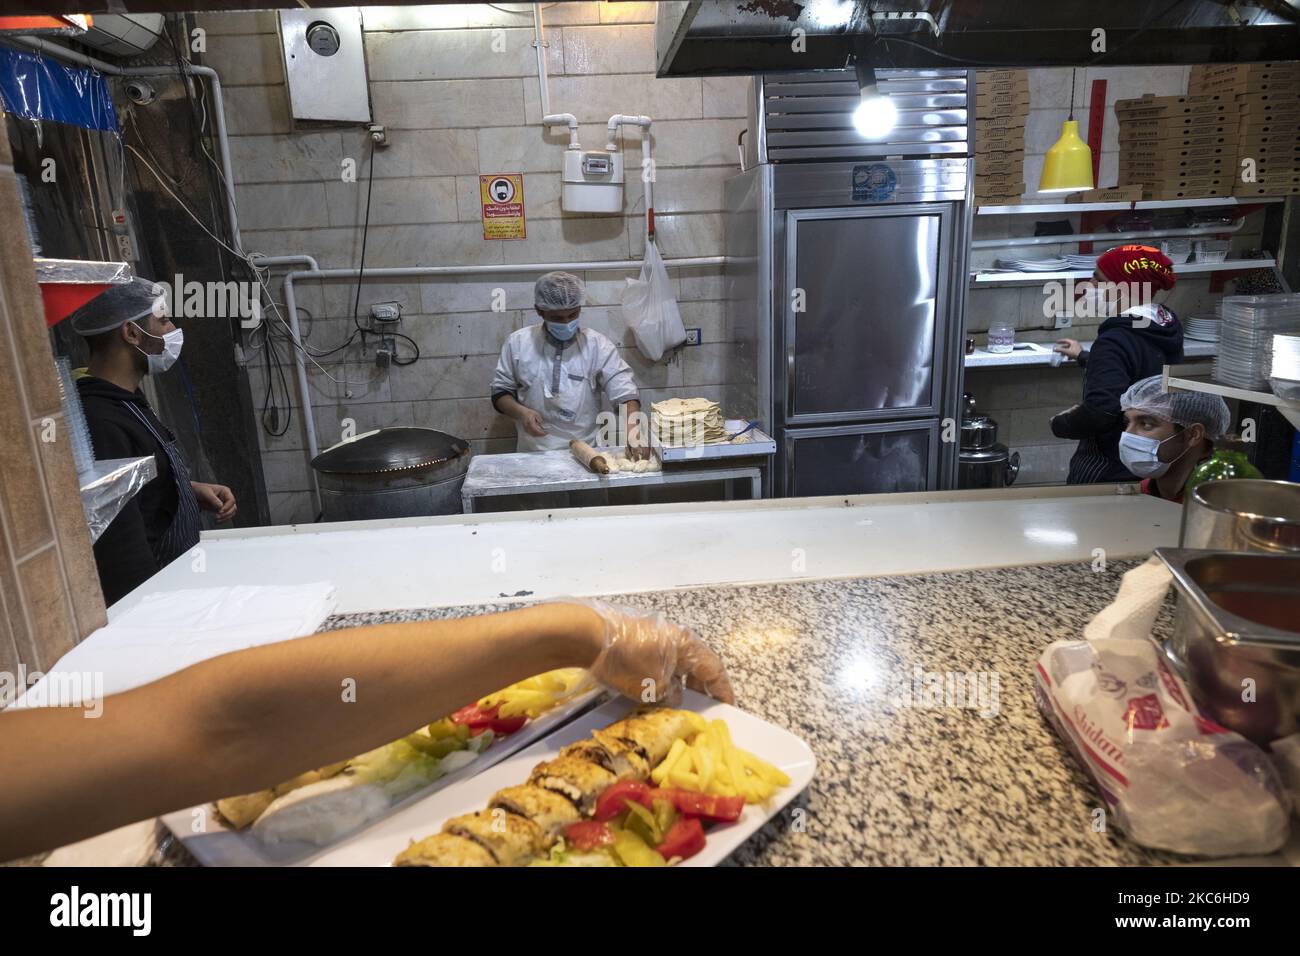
130, 335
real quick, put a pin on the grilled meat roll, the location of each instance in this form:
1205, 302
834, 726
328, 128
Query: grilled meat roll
651, 732
580, 780
511, 839
445, 849
546, 808
615, 755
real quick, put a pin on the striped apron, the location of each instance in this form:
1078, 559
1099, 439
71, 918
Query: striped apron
183, 533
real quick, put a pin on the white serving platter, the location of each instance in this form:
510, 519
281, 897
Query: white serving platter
379, 844
216, 844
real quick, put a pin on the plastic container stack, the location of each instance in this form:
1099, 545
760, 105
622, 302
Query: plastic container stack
1246, 338
74, 417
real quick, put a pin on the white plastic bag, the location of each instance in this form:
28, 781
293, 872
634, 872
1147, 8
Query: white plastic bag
650, 308
1170, 778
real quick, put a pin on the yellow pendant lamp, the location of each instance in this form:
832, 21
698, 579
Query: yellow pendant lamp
1067, 167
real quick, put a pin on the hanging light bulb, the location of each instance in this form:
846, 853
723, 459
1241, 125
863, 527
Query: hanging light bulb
1067, 167
876, 114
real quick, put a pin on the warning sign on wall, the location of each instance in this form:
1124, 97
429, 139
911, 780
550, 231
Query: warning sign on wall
502, 197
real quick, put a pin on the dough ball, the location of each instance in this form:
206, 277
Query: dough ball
654, 465
626, 464
641, 466
611, 462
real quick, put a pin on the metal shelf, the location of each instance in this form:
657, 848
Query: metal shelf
1028, 209
1175, 378
1188, 268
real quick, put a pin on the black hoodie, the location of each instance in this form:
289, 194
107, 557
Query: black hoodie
124, 553
1128, 348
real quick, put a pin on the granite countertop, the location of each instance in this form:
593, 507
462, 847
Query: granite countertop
897, 785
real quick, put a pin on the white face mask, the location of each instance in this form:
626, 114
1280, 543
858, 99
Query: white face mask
172, 342
1141, 455
1095, 303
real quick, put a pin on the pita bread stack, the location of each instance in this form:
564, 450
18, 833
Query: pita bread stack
687, 421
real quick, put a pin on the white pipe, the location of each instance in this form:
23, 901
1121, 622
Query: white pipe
643, 123
543, 83
407, 272
218, 108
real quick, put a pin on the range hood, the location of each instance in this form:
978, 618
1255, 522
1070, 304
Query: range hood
724, 37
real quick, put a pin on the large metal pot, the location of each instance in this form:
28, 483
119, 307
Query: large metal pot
392, 473
1236, 637
1243, 514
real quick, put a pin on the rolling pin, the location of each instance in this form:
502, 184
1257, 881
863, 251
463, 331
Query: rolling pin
590, 458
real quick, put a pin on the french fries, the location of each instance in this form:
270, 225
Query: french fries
711, 763
536, 695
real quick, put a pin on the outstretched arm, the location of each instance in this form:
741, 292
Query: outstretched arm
248, 720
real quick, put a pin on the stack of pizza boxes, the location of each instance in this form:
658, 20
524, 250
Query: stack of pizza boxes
1264, 99
1001, 109
1177, 147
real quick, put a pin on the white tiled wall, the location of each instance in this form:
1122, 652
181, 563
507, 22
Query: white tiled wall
1024, 399
454, 109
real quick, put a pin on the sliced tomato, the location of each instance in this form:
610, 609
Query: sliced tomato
683, 840
588, 834
707, 806
610, 803
476, 717
508, 725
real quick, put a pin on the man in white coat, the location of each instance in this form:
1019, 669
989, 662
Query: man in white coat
550, 375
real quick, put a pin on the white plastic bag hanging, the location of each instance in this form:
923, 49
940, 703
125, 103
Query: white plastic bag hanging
650, 308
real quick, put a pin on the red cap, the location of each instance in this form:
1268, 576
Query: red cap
1137, 264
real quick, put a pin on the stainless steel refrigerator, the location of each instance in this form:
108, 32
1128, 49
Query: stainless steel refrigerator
846, 281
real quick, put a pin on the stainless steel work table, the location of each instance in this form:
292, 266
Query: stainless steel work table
543, 472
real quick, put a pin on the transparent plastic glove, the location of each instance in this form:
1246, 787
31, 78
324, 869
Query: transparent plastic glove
646, 657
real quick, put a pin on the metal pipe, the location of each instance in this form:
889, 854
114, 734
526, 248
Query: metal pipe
647, 163
218, 108
1103, 236
607, 265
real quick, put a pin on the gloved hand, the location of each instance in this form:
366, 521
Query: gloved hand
645, 656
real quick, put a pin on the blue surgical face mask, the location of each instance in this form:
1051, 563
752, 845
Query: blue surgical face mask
1141, 455
563, 330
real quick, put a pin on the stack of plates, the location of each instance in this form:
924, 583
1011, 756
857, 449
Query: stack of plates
1202, 328
1284, 375
1081, 263
1246, 338
1033, 265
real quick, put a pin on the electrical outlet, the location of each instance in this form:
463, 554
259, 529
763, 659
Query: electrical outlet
694, 336
1063, 321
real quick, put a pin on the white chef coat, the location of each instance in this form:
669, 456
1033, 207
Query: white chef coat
560, 381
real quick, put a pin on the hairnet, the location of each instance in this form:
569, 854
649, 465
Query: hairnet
558, 291
119, 304
1181, 408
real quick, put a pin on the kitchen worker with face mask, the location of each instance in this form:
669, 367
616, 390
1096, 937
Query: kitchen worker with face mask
1167, 434
1136, 338
130, 335
551, 375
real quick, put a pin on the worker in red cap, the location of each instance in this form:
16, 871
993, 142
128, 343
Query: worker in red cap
1136, 338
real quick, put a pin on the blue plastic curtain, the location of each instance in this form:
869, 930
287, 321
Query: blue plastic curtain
35, 87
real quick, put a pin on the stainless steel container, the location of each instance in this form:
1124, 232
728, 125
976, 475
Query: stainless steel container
982, 462
1237, 637
1243, 514
392, 473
